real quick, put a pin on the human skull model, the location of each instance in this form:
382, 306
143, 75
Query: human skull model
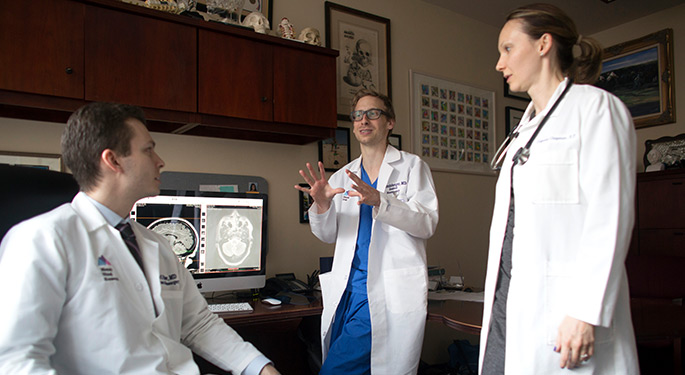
286, 29
310, 35
257, 21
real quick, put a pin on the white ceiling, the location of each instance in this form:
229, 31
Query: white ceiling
590, 16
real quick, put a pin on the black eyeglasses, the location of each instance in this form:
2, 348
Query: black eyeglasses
371, 114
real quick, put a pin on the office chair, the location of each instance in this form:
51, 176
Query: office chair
26, 192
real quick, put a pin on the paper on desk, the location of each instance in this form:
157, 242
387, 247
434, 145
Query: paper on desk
456, 295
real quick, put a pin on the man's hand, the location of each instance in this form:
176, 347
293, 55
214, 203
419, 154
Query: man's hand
366, 193
319, 189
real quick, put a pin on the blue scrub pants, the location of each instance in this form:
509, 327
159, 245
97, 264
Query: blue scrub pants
350, 350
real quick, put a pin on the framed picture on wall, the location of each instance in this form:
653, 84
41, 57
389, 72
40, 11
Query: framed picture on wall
262, 6
363, 40
640, 72
453, 124
395, 141
305, 202
513, 116
515, 95
51, 162
335, 152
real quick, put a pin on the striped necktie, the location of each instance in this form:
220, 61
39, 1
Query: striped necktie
130, 239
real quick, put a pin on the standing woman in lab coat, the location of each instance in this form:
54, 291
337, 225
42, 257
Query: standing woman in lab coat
556, 292
379, 210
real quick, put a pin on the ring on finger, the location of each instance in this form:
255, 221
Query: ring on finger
584, 357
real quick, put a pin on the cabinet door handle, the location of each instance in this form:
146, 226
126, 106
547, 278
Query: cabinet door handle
264, 99
69, 70
677, 183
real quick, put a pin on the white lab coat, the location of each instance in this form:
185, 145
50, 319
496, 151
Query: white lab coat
74, 301
574, 201
397, 274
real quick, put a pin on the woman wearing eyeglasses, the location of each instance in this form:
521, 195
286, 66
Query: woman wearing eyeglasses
556, 292
379, 210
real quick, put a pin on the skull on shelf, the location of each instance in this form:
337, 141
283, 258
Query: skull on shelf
310, 35
257, 21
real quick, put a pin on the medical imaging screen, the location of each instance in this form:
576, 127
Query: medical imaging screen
209, 235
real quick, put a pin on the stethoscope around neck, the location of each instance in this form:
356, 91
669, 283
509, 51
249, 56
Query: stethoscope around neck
523, 154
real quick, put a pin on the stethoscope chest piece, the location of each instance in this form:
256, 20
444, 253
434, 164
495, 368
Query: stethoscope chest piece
521, 156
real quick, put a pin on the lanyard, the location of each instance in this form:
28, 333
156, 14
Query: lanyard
522, 154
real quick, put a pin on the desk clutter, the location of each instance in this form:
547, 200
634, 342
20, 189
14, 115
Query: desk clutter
437, 280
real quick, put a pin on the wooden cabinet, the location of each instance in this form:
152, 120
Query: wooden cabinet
41, 47
259, 81
301, 96
660, 220
189, 76
137, 60
235, 77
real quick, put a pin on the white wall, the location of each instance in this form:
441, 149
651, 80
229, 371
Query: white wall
424, 38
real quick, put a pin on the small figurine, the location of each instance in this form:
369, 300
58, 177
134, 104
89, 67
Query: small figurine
286, 29
311, 36
257, 21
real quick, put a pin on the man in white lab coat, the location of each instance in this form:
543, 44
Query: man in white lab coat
78, 300
379, 210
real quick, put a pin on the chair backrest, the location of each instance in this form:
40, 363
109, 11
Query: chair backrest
26, 192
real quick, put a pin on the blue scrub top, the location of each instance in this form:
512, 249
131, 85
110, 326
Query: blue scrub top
360, 262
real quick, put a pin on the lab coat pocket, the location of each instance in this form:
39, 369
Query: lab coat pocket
555, 176
558, 282
406, 289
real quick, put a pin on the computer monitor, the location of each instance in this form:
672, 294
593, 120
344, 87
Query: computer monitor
220, 237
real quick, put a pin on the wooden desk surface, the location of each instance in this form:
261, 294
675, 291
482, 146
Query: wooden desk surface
460, 315
464, 316
650, 320
264, 313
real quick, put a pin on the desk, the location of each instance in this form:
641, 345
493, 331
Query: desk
274, 331
464, 316
264, 313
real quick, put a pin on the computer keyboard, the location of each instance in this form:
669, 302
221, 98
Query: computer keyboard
234, 307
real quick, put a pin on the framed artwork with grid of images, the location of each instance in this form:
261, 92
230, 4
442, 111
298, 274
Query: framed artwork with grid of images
453, 125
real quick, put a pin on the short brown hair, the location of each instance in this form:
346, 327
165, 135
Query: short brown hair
92, 129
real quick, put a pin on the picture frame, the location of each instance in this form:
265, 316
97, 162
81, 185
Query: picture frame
334, 152
52, 162
453, 124
306, 201
640, 72
264, 7
514, 95
513, 117
395, 140
363, 40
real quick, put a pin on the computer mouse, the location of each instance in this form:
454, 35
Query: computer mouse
271, 301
